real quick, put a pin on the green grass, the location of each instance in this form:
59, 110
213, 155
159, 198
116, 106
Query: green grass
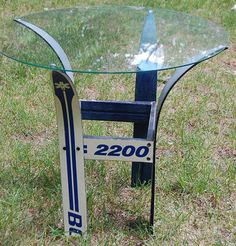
196, 166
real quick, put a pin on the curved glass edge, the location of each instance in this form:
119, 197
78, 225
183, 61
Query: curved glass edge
201, 59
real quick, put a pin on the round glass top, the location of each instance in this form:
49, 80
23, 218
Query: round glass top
111, 39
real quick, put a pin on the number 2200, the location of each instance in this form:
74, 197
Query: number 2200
117, 150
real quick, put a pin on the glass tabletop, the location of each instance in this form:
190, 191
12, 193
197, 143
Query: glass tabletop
112, 39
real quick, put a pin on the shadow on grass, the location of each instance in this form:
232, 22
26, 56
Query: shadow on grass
139, 226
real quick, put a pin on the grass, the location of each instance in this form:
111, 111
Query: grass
196, 172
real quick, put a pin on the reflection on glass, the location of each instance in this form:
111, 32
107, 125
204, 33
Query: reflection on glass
150, 53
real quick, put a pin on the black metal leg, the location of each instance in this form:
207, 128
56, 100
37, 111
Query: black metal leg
166, 90
152, 208
145, 90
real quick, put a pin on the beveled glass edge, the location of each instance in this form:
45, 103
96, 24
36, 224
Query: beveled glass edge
49, 67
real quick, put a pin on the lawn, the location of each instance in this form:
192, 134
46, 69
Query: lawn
196, 153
